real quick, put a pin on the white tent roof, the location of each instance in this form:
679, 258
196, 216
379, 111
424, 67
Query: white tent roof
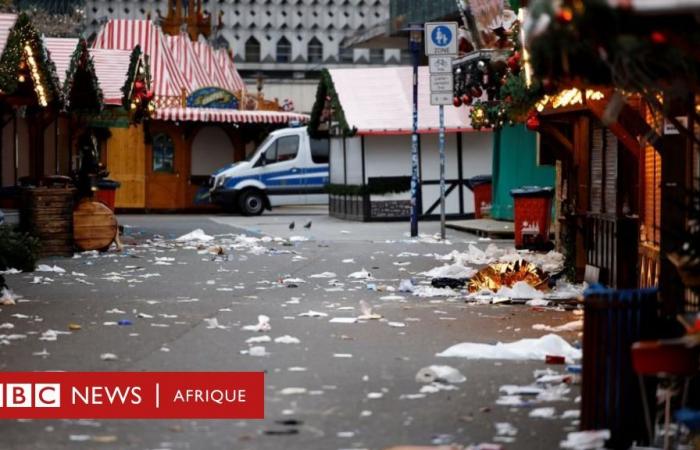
379, 101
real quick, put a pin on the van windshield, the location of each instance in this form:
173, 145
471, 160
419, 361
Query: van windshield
263, 144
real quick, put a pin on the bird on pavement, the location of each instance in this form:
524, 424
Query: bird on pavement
291, 226
308, 225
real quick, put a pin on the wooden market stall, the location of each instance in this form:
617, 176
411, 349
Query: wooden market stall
202, 121
366, 114
30, 101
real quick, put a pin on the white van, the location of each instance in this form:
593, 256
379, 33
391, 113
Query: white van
289, 168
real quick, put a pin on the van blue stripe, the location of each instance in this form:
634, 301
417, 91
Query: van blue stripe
268, 178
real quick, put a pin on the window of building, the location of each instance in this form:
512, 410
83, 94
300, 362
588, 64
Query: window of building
376, 55
163, 153
284, 50
315, 50
252, 50
346, 55
320, 149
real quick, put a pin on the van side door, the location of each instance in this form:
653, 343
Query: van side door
279, 167
316, 172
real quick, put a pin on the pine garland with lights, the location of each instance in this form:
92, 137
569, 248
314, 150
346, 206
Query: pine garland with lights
82, 66
21, 35
326, 93
509, 98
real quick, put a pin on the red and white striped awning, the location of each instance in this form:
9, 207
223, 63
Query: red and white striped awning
61, 51
111, 66
228, 115
125, 34
7, 21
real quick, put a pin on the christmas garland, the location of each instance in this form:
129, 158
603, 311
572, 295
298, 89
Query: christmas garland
326, 93
581, 44
82, 66
497, 73
137, 97
131, 76
23, 33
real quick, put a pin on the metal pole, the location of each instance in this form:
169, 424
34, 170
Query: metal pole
414, 145
442, 172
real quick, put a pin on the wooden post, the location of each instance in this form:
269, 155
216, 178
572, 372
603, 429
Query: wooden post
676, 179
581, 189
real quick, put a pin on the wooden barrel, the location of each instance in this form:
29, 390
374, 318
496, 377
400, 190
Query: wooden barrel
47, 213
94, 225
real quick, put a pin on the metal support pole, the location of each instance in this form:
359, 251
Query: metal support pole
414, 145
442, 172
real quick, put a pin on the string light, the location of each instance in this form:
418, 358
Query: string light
36, 76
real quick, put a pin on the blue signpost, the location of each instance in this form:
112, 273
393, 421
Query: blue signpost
441, 46
415, 38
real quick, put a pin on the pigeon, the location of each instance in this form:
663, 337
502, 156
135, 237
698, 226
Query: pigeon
291, 226
308, 225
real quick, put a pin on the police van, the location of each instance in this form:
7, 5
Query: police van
288, 168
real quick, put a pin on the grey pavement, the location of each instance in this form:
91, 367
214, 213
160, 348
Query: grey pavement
337, 410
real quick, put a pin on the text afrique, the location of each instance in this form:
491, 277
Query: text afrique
218, 396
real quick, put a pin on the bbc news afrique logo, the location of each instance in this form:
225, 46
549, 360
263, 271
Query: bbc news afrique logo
30, 395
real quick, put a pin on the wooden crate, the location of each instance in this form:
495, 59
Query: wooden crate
47, 213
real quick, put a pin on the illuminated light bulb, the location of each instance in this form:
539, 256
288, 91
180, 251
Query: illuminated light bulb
133, 105
21, 78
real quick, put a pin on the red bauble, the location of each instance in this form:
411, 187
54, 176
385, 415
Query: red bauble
148, 96
533, 122
466, 99
565, 15
658, 37
513, 64
457, 102
139, 85
476, 92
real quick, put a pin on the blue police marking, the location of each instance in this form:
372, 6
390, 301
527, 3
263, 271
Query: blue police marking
441, 36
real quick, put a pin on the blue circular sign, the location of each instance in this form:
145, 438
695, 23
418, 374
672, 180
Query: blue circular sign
441, 36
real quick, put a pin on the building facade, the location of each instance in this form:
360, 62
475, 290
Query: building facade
281, 45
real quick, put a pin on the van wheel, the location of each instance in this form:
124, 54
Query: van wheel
251, 202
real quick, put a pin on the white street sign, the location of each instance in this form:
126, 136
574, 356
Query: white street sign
440, 64
441, 82
440, 38
441, 98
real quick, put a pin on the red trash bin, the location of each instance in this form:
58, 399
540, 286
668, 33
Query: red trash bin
533, 213
481, 187
106, 192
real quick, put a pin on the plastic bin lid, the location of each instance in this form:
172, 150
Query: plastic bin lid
478, 180
108, 184
532, 191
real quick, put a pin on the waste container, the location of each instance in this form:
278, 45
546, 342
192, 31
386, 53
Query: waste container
106, 192
481, 187
611, 397
533, 211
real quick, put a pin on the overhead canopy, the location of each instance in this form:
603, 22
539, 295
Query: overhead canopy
180, 67
380, 101
111, 66
7, 21
227, 115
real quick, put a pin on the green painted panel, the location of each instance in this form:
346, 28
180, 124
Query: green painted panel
515, 165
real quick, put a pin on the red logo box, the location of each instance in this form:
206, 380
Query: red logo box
132, 395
